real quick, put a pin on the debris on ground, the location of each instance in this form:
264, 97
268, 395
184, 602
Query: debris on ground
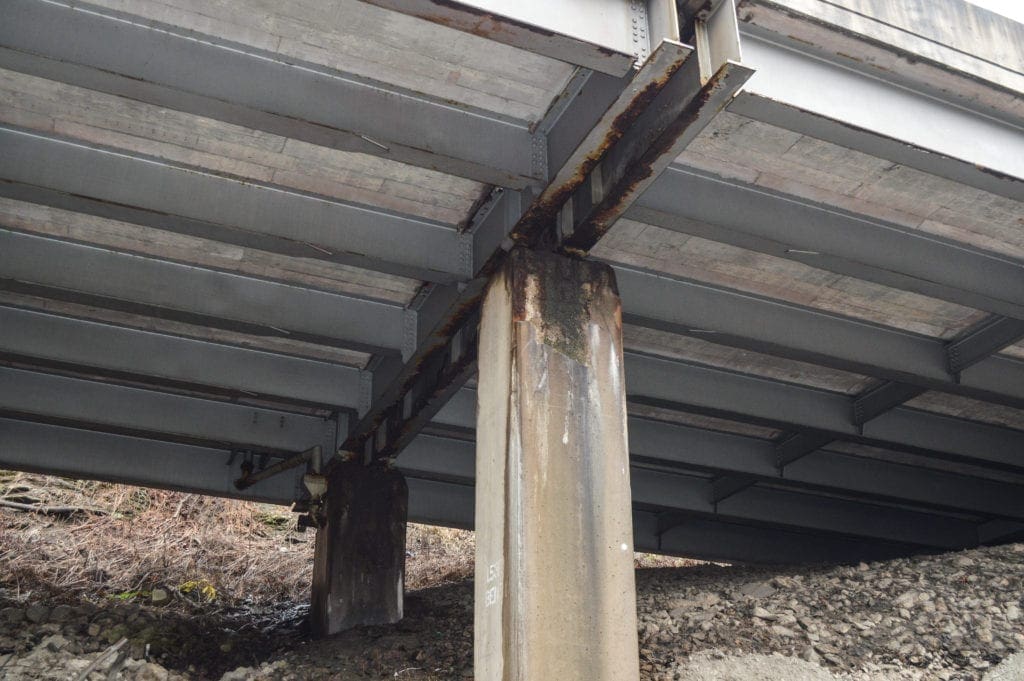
131, 584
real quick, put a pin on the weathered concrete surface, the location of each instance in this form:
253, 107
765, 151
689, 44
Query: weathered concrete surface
555, 596
359, 565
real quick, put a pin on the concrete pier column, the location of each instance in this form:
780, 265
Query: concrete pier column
555, 594
359, 563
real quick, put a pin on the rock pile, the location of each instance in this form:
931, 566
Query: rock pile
955, 617
126, 640
948, 616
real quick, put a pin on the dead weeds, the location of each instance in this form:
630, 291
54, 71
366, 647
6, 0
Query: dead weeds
66, 539
89, 539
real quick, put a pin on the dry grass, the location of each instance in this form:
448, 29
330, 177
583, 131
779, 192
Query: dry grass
98, 540
437, 555
130, 539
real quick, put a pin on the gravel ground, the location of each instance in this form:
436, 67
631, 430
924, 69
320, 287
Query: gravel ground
954, 616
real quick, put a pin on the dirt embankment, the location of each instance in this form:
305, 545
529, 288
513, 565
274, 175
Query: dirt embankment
111, 582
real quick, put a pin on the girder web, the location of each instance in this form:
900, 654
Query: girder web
256, 366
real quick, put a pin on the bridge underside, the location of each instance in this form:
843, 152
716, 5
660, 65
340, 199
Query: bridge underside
227, 238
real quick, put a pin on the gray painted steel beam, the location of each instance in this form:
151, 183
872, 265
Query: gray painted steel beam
443, 356
1000, 531
597, 34
736, 457
977, 344
743, 397
795, 446
691, 536
132, 354
54, 268
91, 455
123, 409
807, 94
696, 537
774, 506
779, 328
493, 221
168, 66
726, 486
573, 124
440, 503
880, 399
177, 198
71, 452
441, 458
701, 204
991, 336
790, 509
119, 458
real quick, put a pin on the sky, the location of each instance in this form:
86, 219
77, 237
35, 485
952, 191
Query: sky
1011, 8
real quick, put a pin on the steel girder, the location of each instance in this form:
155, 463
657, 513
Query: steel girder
971, 347
702, 204
979, 343
786, 508
702, 389
156, 193
72, 452
93, 47
779, 328
828, 238
808, 94
880, 399
606, 165
689, 535
737, 457
740, 456
604, 35
101, 49
792, 447
693, 536
97, 405
131, 354
58, 269
125, 409
672, 491
94, 73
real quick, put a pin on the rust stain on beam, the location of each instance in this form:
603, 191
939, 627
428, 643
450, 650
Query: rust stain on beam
654, 159
671, 122
539, 218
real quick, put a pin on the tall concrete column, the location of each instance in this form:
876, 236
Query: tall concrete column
555, 593
359, 563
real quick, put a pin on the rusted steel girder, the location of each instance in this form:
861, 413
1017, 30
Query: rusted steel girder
662, 108
554, 579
